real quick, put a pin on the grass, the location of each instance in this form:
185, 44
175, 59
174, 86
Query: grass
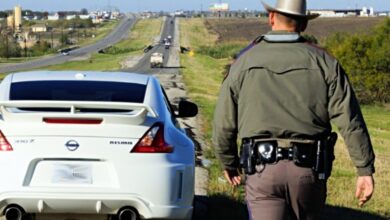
16, 59
203, 81
142, 34
100, 33
97, 62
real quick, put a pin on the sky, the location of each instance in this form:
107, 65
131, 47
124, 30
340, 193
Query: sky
172, 5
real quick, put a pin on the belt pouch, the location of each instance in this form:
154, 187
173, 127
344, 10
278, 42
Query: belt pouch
304, 155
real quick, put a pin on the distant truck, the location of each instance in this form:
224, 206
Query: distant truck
156, 60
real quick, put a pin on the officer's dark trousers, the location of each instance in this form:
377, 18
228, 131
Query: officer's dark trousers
285, 191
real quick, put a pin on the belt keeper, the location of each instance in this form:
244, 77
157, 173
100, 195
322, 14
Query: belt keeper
289, 152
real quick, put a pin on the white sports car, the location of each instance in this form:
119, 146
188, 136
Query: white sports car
97, 143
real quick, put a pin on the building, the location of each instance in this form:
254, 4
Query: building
384, 14
26, 41
38, 28
11, 22
70, 17
336, 12
14, 20
18, 17
365, 12
219, 7
54, 17
84, 17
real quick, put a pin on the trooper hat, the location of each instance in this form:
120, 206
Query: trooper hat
291, 7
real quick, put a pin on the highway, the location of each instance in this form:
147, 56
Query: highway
143, 66
172, 82
120, 32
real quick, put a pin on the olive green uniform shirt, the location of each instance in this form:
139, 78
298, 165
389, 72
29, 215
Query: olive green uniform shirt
285, 88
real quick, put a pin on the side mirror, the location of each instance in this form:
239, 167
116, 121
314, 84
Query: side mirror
187, 109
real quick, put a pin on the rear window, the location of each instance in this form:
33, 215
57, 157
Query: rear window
78, 91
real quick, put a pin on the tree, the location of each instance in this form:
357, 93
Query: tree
311, 38
40, 48
3, 14
64, 39
84, 11
9, 48
366, 59
27, 13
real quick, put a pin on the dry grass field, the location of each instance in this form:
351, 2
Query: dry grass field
229, 30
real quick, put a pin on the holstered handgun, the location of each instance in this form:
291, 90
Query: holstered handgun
329, 154
325, 156
247, 159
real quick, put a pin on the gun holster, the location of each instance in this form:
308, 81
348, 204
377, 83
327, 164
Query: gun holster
325, 156
247, 156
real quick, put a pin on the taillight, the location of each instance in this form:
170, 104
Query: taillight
153, 141
4, 144
72, 121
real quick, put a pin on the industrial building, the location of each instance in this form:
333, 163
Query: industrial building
365, 12
14, 21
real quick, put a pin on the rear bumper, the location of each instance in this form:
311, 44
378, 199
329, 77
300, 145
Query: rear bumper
86, 203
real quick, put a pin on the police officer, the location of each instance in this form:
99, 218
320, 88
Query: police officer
284, 88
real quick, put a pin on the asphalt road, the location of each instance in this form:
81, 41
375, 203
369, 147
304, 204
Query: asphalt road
143, 66
171, 79
120, 32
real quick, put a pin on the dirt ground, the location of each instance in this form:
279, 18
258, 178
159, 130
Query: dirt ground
248, 29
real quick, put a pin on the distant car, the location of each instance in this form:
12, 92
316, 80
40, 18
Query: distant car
98, 143
148, 48
65, 53
169, 38
167, 45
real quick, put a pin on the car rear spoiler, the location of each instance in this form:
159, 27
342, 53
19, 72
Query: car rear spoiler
133, 112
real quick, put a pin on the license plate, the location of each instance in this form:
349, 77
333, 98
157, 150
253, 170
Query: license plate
72, 174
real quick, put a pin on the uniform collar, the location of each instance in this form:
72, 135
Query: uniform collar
282, 36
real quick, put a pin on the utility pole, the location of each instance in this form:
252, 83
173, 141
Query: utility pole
6, 47
201, 8
51, 35
109, 5
62, 36
219, 11
25, 47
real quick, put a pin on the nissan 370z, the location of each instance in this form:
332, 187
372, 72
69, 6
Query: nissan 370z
101, 143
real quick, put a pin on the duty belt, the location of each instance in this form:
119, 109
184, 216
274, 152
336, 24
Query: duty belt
317, 154
273, 150
285, 143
